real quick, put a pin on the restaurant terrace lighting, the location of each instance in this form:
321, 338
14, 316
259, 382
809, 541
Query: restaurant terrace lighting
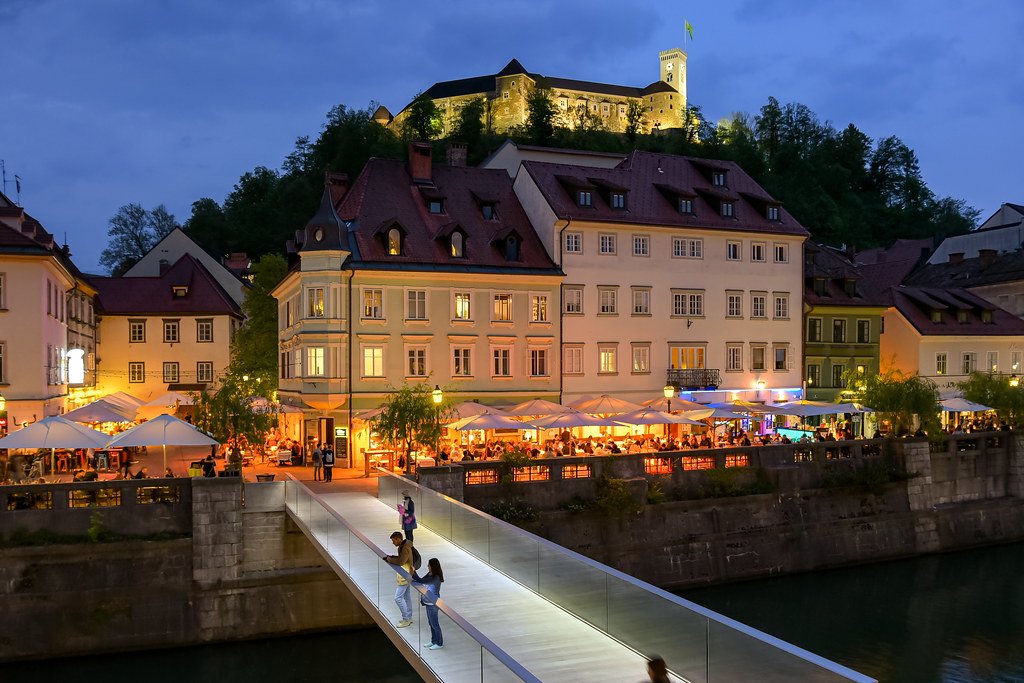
760, 385
3, 403
437, 395
1014, 380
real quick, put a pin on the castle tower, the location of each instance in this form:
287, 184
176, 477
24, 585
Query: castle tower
673, 71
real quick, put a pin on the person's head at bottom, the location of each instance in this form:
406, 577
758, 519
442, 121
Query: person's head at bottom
397, 538
657, 670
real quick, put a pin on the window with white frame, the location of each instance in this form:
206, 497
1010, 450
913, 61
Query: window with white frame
171, 332
772, 213
572, 360
501, 365
204, 371
687, 247
757, 251
315, 302
584, 198
608, 300
539, 308
463, 306
1015, 361
734, 304
373, 361
732, 251
136, 331
781, 353
618, 199
814, 329
502, 308
733, 357
863, 331
757, 356
727, 209
373, 303
782, 253
539, 363
606, 242
416, 361
685, 205
572, 300
641, 359
686, 357
574, 243
838, 330
204, 331
993, 361
136, 372
781, 306
641, 245
813, 375
969, 362
758, 305
171, 373
416, 304
315, 361
641, 300
607, 360
941, 364
694, 304
462, 361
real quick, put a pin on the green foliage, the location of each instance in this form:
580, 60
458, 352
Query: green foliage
636, 120
540, 121
96, 529
228, 410
511, 460
900, 398
423, 122
994, 390
577, 504
615, 497
871, 477
411, 417
22, 538
512, 511
133, 231
254, 350
655, 491
731, 482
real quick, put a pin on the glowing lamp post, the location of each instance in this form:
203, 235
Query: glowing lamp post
437, 396
1014, 382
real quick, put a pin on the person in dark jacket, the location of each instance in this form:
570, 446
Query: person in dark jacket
407, 512
432, 582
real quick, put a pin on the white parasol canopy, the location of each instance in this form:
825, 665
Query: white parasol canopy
805, 407
470, 408
574, 418
676, 404
650, 416
490, 421
102, 411
164, 404
961, 405
741, 406
604, 405
163, 430
53, 433
123, 398
537, 406
854, 408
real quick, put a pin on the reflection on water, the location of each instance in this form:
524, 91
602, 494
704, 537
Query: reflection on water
364, 655
955, 617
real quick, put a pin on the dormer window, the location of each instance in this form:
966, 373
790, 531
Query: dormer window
819, 286
487, 211
395, 242
850, 286
727, 209
772, 213
718, 178
435, 205
986, 317
179, 291
511, 248
961, 316
936, 315
618, 200
584, 198
685, 205
458, 245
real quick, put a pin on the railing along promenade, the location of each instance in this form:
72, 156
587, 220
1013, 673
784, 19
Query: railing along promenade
698, 644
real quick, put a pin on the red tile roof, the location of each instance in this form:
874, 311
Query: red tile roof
154, 295
835, 269
917, 303
649, 179
384, 195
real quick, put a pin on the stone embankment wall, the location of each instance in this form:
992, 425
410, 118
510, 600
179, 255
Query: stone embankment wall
245, 572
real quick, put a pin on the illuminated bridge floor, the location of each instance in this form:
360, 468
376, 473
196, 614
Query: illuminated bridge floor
549, 642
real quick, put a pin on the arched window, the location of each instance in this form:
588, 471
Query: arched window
457, 245
394, 242
511, 248
668, 77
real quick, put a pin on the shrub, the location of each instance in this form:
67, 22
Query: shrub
512, 511
576, 504
615, 497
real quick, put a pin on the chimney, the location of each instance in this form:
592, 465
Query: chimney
987, 256
420, 162
337, 183
164, 266
457, 154
956, 258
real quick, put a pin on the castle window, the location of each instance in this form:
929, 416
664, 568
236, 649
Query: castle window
394, 242
504, 95
435, 206
668, 77
457, 245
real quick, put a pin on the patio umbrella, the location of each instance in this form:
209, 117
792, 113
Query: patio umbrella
163, 430
53, 433
854, 408
961, 405
490, 421
605, 405
741, 406
368, 415
123, 398
805, 407
101, 411
164, 404
676, 404
650, 416
573, 418
471, 408
537, 406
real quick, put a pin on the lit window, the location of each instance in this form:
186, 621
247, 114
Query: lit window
502, 308
607, 360
171, 373
813, 375
417, 362
539, 308
373, 361
686, 357
315, 302
993, 361
463, 306
940, 363
373, 304
394, 242
457, 245
315, 361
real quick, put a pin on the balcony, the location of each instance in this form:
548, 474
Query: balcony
694, 378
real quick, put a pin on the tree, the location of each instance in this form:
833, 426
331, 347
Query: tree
411, 417
133, 232
229, 411
899, 398
469, 124
208, 227
254, 350
423, 120
636, 120
540, 119
997, 392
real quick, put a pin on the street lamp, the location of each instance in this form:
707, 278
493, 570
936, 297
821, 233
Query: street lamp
1014, 381
3, 403
437, 396
669, 391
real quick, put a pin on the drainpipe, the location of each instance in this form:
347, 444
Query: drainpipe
561, 317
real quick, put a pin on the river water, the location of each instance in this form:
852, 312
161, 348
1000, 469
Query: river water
955, 618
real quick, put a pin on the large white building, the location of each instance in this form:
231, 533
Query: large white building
678, 270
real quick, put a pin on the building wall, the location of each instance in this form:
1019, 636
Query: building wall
1008, 296
829, 353
172, 248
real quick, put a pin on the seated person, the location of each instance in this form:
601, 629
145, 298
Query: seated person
142, 473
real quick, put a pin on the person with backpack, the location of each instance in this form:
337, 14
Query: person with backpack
317, 462
328, 457
407, 515
406, 559
432, 582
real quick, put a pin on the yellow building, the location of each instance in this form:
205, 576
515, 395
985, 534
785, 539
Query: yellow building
505, 94
47, 326
415, 274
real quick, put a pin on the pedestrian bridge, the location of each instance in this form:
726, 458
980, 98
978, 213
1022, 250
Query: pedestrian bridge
516, 607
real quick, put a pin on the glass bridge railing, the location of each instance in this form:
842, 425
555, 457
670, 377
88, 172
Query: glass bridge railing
698, 644
352, 553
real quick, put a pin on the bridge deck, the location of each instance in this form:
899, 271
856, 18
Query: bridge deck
551, 643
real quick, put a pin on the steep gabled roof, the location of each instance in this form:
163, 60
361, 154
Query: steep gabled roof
822, 262
154, 295
962, 313
971, 272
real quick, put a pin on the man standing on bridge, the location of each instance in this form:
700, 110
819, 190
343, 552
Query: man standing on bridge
403, 598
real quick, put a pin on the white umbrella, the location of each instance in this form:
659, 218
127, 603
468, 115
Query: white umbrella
853, 408
574, 418
537, 406
53, 433
741, 406
368, 415
163, 430
962, 405
805, 407
471, 408
164, 404
101, 411
649, 416
605, 405
125, 399
490, 421
676, 404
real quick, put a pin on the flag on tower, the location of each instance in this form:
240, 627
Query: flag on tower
689, 28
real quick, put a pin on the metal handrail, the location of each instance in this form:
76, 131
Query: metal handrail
513, 665
692, 606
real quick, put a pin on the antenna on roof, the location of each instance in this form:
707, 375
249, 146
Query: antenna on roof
17, 182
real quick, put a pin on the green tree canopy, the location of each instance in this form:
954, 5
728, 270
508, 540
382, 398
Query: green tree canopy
133, 231
996, 391
254, 350
423, 121
411, 417
905, 401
